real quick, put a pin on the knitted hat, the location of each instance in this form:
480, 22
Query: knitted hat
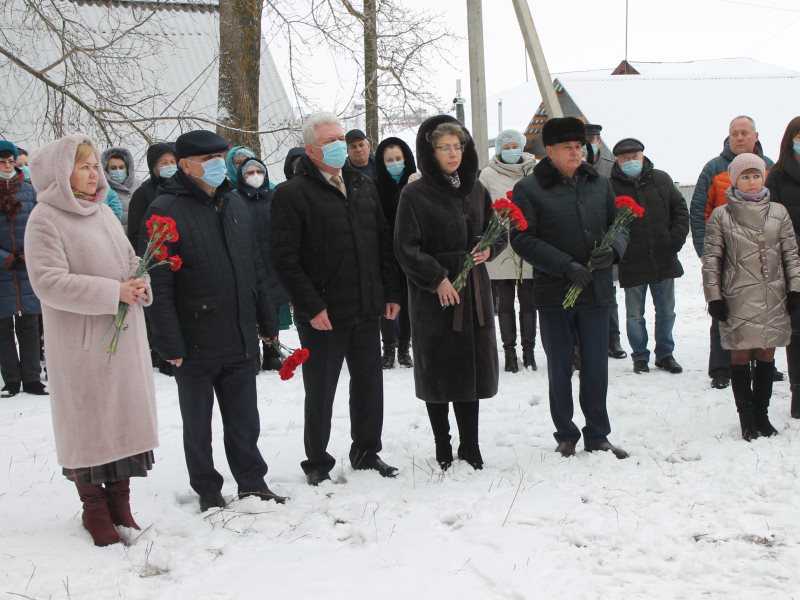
250, 164
198, 143
6, 146
745, 161
506, 136
563, 129
155, 152
627, 146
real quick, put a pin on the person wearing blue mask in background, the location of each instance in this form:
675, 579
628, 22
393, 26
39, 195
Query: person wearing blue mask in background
19, 306
651, 259
120, 172
22, 164
332, 252
161, 165
508, 271
394, 164
206, 317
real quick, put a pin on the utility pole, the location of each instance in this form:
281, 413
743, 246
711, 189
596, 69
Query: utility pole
477, 81
536, 55
459, 103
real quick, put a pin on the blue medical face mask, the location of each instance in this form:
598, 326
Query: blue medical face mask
11, 175
632, 168
797, 147
334, 154
396, 169
26, 172
168, 171
511, 156
595, 150
118, 175
214, 171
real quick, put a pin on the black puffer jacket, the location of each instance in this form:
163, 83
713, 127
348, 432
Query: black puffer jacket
784, 188
259, 201
455, 349
565, 222
332, 252
656, 238
211, 307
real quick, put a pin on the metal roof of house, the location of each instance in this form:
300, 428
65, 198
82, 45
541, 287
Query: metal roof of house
178, 57
680, 111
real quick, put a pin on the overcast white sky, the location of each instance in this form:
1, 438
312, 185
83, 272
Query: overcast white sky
582, 35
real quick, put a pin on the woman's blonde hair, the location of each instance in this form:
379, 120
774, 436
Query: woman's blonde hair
83, 152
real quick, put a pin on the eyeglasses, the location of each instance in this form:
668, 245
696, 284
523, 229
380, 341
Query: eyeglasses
7, 161
449, 149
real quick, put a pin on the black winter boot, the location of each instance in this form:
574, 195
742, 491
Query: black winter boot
527, 322
795, 401
388, 357
271, 360
444, 452
762, 392
467, 419
508, 335
743, 396
404, 356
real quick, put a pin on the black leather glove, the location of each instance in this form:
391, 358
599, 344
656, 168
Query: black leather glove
602, 258
19, 262
718, 309
578, 274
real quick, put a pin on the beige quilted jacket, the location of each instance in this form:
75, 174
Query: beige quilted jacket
750, 260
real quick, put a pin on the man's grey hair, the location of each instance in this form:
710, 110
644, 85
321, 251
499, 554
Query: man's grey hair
313, 121
739, 118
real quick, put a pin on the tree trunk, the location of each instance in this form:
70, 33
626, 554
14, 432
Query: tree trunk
239, 71
371, 70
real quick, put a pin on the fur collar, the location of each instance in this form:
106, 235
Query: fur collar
548, 176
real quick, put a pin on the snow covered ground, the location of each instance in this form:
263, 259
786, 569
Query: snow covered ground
694, 513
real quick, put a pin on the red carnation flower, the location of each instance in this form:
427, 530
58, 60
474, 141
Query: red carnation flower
160, 253
175, 262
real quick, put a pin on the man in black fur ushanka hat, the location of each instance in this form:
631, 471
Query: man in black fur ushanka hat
569, 207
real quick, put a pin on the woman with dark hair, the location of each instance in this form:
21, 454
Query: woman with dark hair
394, 163
439, 219
783, 183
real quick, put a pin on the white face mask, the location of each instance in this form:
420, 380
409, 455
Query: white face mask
255, 180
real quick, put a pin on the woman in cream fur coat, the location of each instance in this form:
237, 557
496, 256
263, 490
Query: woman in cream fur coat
81, 267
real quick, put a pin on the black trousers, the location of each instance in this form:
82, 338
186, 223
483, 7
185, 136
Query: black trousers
26, 366
506, 289
398, 332
613, 319
719, 359
234, 382
356, 341
589, 327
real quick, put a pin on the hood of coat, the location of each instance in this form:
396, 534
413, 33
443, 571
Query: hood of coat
155, 152
548, 176
291, 156
232, 170
408, 158
647, 172
243, 187
748, 214
429, 166
130, 182
51, 167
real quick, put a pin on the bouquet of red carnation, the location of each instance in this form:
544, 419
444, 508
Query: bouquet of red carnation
505, 216
628, 210
291, 358
160, 230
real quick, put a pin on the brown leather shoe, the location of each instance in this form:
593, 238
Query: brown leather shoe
119, 503
606, 447
566, 449
96, 517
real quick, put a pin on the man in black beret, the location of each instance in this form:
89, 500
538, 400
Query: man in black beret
651, 259
569, 207
359, 153
205, 316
